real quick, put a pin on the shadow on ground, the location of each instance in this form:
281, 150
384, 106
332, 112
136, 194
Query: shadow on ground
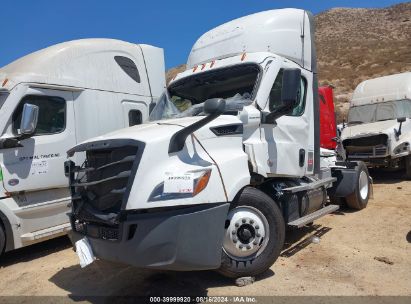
298, 239
101, 281
107, 280
383, 176
29, 253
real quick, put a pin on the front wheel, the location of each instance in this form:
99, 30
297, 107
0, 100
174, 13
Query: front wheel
359, 198
254, 235
407, 161
2, 239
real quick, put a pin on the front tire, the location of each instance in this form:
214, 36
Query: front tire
407, 161
254, 235
359, 198
2, 239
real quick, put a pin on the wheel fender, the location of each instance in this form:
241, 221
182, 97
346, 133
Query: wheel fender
346, 181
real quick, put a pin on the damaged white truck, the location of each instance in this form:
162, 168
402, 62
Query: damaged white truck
379, 125
229, 161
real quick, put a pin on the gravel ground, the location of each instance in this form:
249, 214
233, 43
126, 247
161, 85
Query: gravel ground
359, 253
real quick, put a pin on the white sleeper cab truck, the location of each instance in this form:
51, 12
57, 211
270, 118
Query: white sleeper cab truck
230, 159
51, 100
379, 123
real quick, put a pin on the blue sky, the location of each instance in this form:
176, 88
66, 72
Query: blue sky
27, 26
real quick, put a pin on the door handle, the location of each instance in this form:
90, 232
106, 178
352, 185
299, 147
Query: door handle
301, 158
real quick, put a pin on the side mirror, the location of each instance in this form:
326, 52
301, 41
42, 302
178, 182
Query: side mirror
214, 106
400, 120
29, 119
290, 91
290, 94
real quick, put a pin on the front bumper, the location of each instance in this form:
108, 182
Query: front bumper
182, 239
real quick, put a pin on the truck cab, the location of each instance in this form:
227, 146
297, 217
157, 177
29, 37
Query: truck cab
378, 129
229, 159
51, 100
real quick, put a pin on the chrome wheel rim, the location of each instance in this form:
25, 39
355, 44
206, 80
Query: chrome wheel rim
247, 234
363, 185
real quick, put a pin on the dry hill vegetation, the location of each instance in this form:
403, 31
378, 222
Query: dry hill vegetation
358, 44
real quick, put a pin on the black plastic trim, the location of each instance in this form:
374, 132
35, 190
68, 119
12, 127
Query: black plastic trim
315, 95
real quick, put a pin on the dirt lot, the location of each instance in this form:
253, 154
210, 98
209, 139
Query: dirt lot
360, 253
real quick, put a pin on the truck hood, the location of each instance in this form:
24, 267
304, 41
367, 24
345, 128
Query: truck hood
159, 131
375, 128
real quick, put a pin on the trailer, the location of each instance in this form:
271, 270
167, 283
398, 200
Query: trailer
229, 161
51, 100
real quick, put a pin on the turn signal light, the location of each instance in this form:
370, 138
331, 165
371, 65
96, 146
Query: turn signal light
202, 182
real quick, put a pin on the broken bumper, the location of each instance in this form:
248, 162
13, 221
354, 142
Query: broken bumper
183, 239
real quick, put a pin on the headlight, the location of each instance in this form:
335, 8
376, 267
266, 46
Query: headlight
178, 186
404, 147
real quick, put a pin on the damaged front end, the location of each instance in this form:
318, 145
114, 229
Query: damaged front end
371, 149
171, 237
101, 185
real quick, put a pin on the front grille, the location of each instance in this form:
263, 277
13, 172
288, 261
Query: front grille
366, 141
99, 188
367, 147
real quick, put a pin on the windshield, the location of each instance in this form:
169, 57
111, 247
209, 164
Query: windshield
379, 112
3, 97
186, 97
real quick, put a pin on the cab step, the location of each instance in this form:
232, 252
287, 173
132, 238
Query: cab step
313, 216
46, 233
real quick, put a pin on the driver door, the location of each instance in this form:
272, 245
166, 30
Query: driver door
39, 163
34, 172
289, 150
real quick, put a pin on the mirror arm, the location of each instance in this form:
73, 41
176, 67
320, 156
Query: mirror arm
9, 143
13, 142
398, 132
271, 117
179, 138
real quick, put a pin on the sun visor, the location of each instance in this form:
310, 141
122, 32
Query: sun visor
286, 32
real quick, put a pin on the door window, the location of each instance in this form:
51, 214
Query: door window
134, 118
275, 95
52, 114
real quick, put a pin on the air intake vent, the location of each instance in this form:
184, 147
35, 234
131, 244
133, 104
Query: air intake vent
228, 130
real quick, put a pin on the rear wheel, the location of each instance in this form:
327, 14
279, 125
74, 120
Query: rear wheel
254, 235
359, 199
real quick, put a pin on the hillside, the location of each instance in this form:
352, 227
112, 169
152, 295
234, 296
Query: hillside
357, 44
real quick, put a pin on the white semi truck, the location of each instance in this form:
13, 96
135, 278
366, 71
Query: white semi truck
230, 159
379, 123
49, 101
